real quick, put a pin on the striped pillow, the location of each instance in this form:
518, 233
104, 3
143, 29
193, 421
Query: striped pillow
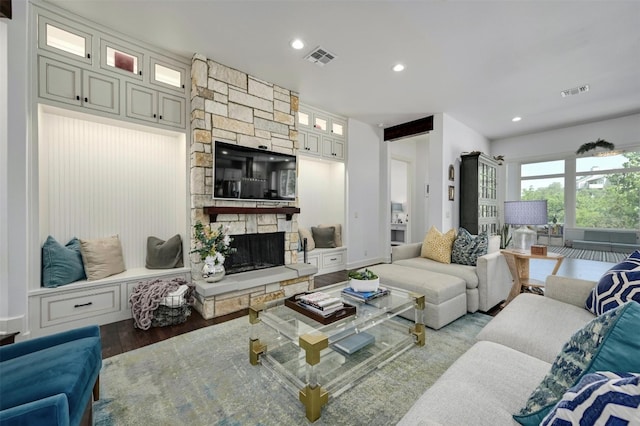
599, 398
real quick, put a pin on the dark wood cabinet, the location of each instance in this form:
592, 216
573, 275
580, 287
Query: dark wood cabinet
478, 194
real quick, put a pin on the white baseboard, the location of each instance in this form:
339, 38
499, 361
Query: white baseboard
12, 325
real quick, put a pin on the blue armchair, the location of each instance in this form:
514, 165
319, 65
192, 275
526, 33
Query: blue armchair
50, 380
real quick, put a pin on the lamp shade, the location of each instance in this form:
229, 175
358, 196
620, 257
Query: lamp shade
525, 212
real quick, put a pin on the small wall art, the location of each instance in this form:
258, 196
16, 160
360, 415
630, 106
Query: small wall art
452, 192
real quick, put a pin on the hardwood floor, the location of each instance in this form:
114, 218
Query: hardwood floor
122, 336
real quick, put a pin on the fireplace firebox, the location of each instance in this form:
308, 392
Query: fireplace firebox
255, 251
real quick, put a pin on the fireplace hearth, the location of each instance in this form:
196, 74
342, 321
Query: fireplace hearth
255, 251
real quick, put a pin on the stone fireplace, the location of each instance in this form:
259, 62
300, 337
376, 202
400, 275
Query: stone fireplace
232, 106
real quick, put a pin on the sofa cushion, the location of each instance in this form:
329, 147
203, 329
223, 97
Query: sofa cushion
68, 368
306, 233
164, 254
610, 342
467, 247
618, 285
437, 288
466, 272
102, 257
599, 398
482, 387
437, 246
61, 264
538, 326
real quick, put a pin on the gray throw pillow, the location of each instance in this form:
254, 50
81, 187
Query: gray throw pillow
164, 254
324, 237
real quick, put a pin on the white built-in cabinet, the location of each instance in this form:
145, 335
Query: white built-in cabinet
92, 71
73, 85
82, 67
321, 134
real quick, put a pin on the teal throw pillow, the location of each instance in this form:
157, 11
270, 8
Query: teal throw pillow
617, 286
604, 398
467, 248
610, 342
61, 264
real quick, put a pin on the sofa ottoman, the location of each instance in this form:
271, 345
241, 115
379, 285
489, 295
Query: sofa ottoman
445, 295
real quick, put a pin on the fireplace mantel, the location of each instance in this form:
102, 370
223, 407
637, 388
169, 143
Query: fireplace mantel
213, 212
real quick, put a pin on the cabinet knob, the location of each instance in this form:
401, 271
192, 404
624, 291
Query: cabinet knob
77, 97
86, 99
154, 116
160, 117
88, 55
140, 72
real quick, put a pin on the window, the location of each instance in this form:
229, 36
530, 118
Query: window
545, 181
608, 191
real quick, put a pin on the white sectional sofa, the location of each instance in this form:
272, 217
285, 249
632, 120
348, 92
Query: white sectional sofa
496, 376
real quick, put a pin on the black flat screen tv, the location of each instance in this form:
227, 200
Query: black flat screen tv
243, 173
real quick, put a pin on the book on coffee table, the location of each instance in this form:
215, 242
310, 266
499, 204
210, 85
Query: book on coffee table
354, 343
365, 296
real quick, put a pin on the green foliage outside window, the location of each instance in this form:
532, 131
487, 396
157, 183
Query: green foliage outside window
614, 205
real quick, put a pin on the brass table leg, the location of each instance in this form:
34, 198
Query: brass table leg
313, 396
418, 329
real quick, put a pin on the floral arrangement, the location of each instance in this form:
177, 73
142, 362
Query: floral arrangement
213, 245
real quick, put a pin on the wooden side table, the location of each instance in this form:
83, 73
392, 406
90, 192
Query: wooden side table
518, 262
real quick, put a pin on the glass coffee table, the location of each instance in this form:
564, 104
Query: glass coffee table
315, 361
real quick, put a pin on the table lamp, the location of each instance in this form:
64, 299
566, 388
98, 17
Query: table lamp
522, 214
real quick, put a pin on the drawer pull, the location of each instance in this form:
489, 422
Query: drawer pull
334, 258
83, 304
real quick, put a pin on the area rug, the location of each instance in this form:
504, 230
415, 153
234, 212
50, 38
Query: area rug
204, 378
601, 256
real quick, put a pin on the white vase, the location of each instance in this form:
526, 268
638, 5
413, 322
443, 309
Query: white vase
212, 273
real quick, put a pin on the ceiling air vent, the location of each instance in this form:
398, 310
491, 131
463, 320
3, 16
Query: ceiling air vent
320, 56
575, 90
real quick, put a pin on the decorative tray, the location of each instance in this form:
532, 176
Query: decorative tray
341, 313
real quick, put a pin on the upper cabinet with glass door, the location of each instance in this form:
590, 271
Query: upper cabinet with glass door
65, 40
168, 74
120, 59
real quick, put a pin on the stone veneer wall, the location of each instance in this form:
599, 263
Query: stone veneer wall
230, 105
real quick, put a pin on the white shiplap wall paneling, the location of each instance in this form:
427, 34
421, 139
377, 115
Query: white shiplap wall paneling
99, 179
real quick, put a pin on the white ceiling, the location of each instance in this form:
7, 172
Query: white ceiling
481, 62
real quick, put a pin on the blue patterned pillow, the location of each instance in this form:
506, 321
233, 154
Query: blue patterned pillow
599, 398
609, 342
61, 264
617, 286
467, 248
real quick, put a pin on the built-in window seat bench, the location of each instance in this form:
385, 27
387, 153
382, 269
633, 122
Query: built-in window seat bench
326, 259
84, 302
610, 240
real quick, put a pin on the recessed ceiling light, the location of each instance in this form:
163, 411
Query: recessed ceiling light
381, 125
297, 44
516, 119
398, 67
